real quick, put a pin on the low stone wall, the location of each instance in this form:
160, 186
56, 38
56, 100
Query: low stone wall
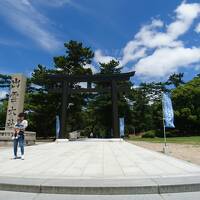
6, 137
74, 135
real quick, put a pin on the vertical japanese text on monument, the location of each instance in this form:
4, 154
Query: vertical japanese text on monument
15, 84
16, 99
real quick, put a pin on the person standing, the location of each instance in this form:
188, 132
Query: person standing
19, 129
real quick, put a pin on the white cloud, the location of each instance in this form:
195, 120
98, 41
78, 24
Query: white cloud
153, 36
197, 67
82, 84
100, 58
25, 18
167, 60
53, 3
132, 52
168, 54
3, 94
157, 49
186, 13
197, 29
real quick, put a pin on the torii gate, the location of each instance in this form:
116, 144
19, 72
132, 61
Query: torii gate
61, 85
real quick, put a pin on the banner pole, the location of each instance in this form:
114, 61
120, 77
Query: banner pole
164, 129
165, 139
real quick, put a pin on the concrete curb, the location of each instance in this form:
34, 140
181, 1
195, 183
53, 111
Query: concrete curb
101, 187
179, 188
99, 190
20, 188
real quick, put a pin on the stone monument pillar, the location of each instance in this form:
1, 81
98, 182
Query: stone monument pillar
16, 99
15, 106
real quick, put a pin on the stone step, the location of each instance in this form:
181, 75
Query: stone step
30, 196
102, 186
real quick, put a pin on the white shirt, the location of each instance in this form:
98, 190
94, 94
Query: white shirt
23, 125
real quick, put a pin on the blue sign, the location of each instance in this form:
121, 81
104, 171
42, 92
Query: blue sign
121, 122
57, 126
168, 112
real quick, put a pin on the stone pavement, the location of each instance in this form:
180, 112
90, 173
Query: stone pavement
32, 196
92, 160
96, 167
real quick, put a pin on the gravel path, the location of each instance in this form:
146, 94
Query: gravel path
188, 152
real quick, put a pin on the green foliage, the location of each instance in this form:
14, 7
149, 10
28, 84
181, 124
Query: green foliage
110, 68
5, 81
100, 106
149, 134
168, 132
147, 109
76, 57
186, 100
3, 109
44, 106
176, 79
194, 140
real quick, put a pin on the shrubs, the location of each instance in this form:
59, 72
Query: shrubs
149, 134
160, 134
169, 133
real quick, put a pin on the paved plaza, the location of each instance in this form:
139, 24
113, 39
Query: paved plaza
92, 159
96, 167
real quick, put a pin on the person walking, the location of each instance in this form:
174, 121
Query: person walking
18, 138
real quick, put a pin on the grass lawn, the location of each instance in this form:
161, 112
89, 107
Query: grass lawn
180, 140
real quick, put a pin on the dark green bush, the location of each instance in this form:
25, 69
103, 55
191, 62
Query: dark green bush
169, 133
149, 134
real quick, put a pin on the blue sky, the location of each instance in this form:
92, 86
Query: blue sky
153, 37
